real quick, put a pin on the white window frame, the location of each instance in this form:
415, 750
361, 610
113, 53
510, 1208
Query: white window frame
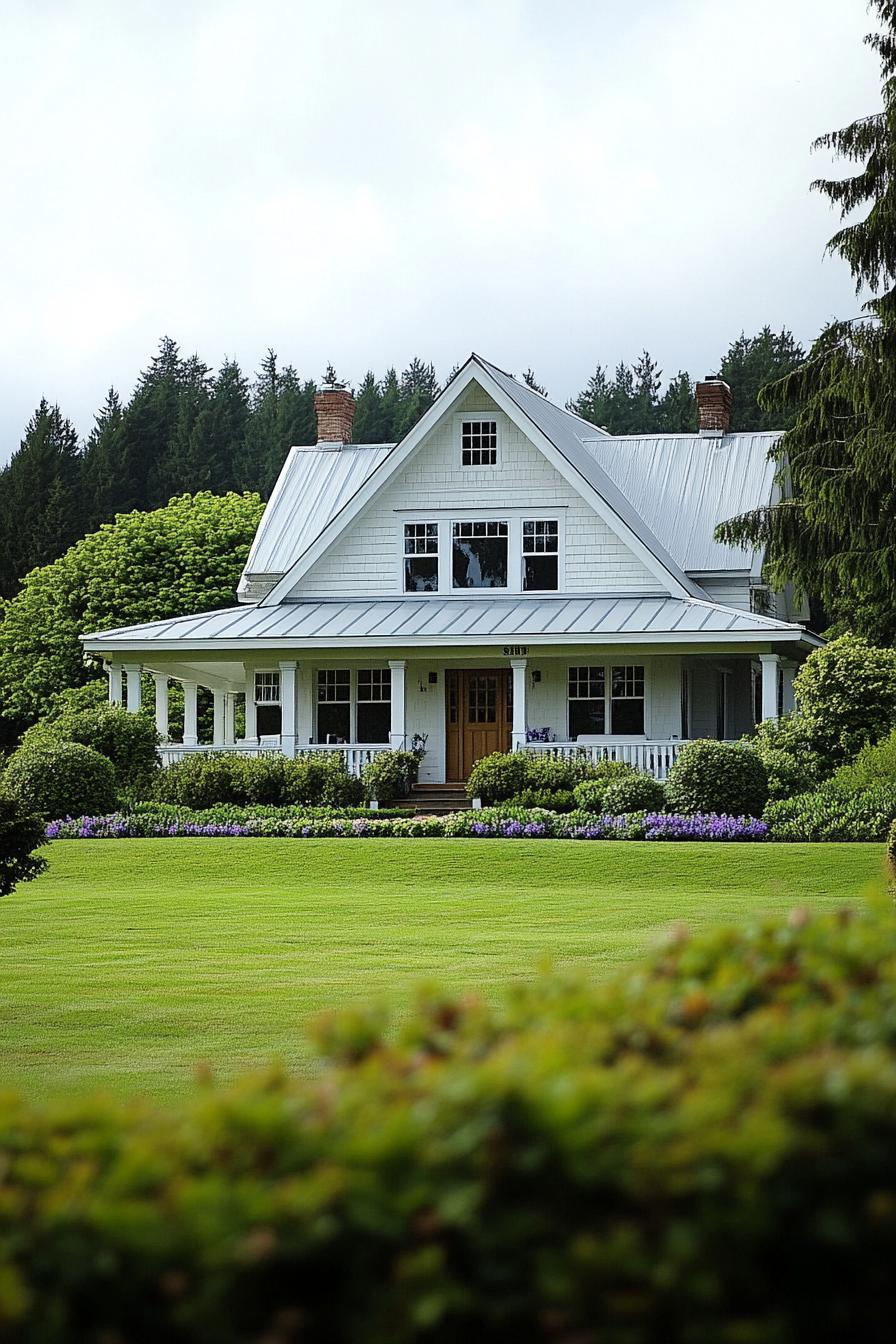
514, 517
467, 417
608, 665
274, 674
353, 670
526, 518
421, 522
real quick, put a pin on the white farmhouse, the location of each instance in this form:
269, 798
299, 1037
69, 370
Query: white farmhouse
507, 576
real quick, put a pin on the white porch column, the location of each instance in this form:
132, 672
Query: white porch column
770, 663
229, 718
288, 708
304, 705
250, 732
191, 714
113, 671
218, 719
788, 672
518, 731
161, 681
398, 725
133, 671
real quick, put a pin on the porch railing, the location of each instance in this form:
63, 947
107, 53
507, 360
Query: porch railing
654, 758
356, 755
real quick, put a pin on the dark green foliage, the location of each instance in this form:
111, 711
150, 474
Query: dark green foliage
830, 813
847, 697
129, 741
697, 1151
556, 772
635, 793
41, 510
712, 776
788, 737
390, 775
21, 832
498, 777
61, 779
750, 364
555, 800
205, 780
875, 765
787, 775
590, 792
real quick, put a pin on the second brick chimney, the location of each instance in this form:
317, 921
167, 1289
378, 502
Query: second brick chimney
713, 405
335, 411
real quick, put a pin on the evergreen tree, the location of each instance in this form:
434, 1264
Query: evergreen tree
593, 402
419, 389
368, 422
177, 465
647, 379
677, 409
531, 381
391, 406
752, 363
100, 461
216, 440
41, 509
281, 416
148, 427
833, 536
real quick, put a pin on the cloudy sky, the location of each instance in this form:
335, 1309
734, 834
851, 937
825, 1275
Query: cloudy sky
555, 184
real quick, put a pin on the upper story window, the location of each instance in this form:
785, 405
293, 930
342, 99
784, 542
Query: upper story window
541, 545
421, 557
478, 443
267, 688
479, 555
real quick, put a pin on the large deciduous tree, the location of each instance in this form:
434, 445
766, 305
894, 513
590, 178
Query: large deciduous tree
832, 534
183, 558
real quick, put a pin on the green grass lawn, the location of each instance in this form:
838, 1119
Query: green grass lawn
132, 961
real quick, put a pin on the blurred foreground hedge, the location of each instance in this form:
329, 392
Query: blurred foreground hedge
702, 1151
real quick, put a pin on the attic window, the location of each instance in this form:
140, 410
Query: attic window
479, 443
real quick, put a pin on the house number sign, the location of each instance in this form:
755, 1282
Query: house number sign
515, 650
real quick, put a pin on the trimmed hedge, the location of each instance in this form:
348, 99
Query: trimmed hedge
698, 1151
505, 774
61, 779
831, 814
21, 832
205, 780
719, 776
635, 793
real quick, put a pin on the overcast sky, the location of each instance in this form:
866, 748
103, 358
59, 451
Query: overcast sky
555, 184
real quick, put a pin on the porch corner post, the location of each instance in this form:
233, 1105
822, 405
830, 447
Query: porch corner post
161, 681
113, 671
250, 732
518, 731
770, 663
398, 726
218, 718
191, 713
788, 672
229, 718
288, 708
133, 671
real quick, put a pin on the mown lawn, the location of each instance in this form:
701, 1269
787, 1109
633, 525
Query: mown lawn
131, 962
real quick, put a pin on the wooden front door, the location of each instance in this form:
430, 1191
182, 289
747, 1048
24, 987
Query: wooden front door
480, 716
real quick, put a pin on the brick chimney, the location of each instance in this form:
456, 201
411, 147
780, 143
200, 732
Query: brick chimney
713, 405
335, 411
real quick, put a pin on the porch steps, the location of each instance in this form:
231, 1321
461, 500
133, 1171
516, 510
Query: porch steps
436, 799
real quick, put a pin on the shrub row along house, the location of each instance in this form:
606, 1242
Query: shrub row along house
507, 576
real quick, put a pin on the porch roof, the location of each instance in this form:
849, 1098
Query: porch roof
449, 620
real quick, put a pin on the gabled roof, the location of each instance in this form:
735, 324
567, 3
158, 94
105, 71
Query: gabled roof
684, 485
396, 621
558, 433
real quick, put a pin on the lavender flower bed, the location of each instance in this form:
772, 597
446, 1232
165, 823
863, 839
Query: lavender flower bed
490, 823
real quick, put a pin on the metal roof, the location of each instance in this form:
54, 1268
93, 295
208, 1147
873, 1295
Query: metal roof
452, 620
683, 485
312, 486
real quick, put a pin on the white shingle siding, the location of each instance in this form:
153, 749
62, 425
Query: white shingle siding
729, 591
367, 560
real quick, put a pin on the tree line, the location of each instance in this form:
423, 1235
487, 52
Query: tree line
189, 428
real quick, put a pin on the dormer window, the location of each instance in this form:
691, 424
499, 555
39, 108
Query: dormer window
478, 443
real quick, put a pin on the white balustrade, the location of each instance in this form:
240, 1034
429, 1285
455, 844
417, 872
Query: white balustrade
653, 758
356, 755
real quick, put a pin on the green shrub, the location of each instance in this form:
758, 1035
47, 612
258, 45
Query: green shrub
787, 776
589, 794
556, 772
202, 780
634, 793
21, 832
711, 776
830, 814
206, 779
557, 800
498, 777
874, 766
698, 1150
846, 693
129, 741
390, 775
62, 779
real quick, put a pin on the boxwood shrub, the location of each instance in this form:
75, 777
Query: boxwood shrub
830, 813
698, 1150
128, 740
636, 792
21, 833
499, 776
61, 779
711, 776
206, 779
390, 775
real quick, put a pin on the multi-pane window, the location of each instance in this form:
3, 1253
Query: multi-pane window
334, 709
374, 704
421, 557
627, 710
479, 555
267, 688
478, 443
541, 543
587, 701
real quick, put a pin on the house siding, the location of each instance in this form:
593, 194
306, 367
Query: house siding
367, 560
